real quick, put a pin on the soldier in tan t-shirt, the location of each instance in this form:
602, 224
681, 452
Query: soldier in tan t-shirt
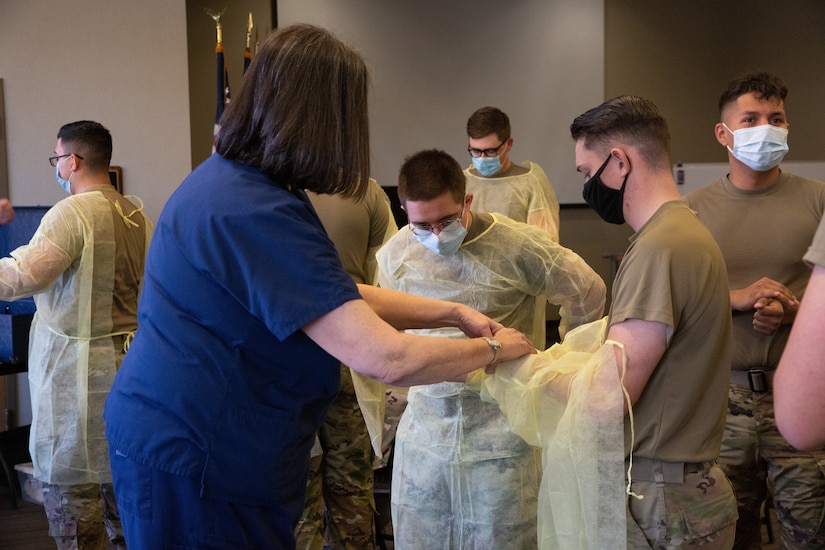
763, 219
671, 313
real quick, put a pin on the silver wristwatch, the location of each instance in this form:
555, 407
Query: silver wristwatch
495, 347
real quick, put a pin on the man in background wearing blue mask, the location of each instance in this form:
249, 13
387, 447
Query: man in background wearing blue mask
522, 193
764, 219
84, 267
461, 477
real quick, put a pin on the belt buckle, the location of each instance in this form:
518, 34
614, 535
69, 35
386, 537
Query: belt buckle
758, 380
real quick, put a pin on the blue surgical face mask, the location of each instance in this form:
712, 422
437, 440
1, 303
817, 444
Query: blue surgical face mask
759, 147
448, 240
487, 166
65, 184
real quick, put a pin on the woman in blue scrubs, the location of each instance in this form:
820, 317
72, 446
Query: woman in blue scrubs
246, 314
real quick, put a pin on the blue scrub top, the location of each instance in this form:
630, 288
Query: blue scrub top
220, 382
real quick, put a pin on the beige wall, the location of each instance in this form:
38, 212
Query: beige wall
682, 55
434, 62
118, 62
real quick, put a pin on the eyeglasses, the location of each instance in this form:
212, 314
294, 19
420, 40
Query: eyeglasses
424, 229
485, 152
55, 159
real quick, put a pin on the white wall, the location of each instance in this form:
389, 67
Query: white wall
435, 62
119, 62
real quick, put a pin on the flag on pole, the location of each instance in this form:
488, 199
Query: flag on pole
222, 76
247, 53
222, 86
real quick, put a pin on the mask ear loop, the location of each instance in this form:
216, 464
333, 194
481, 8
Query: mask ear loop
630, 417
728, 147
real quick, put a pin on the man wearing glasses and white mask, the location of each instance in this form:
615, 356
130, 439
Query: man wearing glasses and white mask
461, 477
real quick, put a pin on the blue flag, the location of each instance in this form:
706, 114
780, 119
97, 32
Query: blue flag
222, 91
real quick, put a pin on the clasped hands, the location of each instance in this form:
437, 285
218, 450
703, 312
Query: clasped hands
773, 302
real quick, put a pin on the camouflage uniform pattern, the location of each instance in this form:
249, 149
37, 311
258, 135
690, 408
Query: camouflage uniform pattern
700, 512
396, 404
310, 533
340, 498
83, 517
753, 451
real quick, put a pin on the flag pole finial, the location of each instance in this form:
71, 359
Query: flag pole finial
218, 27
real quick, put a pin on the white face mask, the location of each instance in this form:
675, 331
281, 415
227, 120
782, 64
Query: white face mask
448, 240
760, 147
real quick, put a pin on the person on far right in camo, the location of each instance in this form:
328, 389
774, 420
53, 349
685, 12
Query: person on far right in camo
763, 219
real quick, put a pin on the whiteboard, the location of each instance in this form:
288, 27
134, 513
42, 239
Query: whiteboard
434, 62
691, 176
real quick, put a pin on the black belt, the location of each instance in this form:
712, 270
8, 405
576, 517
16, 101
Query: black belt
672, 472
758, 380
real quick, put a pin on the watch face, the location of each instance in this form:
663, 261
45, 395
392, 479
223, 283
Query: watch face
492, 342
495, 345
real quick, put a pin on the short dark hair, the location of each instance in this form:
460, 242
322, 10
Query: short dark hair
486, 121
628, 119
300, 115
764, 85
88, 140
428, 174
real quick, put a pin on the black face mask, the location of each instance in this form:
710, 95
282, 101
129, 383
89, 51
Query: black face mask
606, 202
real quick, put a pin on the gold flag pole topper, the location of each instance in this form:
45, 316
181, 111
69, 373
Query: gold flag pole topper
249, 32
222, 75
218, 27
247, 53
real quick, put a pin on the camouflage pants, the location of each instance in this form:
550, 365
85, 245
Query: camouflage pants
700, 512
753, 451
340, 480
82, 516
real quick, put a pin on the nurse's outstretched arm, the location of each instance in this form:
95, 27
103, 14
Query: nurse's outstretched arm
405, 311
355, 335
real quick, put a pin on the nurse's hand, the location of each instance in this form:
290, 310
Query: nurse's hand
475, 324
